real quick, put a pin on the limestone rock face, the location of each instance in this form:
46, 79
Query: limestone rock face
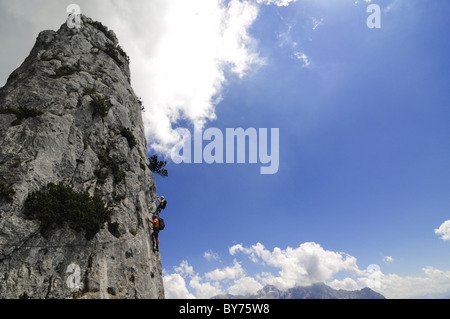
68, 115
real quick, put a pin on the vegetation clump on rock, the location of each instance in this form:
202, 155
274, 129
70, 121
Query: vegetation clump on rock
57, 205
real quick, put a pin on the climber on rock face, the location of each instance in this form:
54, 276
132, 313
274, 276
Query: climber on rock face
162, 204
155, 233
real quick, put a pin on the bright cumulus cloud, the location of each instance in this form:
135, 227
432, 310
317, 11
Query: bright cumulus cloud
444, 230
304, 265
180, 77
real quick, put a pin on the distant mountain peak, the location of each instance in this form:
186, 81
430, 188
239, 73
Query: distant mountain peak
317, 290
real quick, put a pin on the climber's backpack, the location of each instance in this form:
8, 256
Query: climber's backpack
163, 204
162, 225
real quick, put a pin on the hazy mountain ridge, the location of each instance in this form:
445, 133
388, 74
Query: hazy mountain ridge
315, 291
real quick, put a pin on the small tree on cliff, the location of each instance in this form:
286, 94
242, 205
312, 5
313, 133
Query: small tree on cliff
158, 166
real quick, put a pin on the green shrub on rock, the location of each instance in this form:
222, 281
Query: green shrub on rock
128, 134
6, 193
21, 113
57, 205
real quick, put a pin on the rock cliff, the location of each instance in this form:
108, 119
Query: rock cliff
72, 143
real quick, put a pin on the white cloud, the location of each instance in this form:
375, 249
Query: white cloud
286, 38
303, 265
431, 284
444, 230
184, 269
175, 287
245, 286
200, 43
280, 3
232, 272
210, 255
205, 290
346, 284
316, 22
306, 62
394, 4
388, 259
229, 279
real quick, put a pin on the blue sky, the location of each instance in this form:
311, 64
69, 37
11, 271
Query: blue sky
363, 144
363, 151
